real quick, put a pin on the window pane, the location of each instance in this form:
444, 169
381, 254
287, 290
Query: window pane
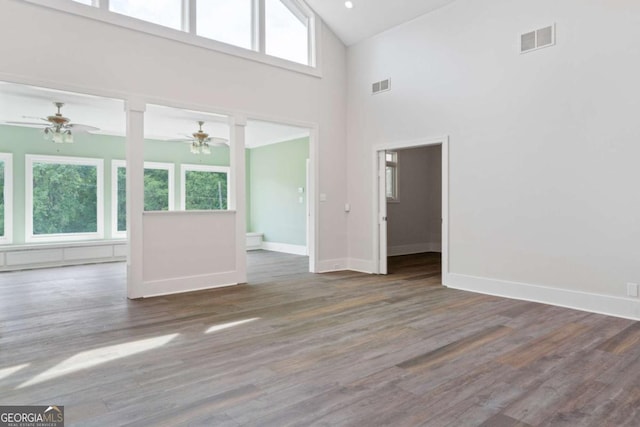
390, 183
1, 199
156, 190
167, 13
64, 199
87, 2
122, 199
228, 21
205, 190
156, 193
286, 32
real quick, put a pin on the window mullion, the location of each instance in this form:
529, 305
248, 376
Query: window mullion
189, 14
104, 4
261, 30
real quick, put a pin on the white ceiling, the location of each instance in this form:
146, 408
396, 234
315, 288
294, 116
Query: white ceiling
370, 17
27, 103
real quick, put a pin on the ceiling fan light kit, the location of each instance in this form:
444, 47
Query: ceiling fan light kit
59, 130
199, 142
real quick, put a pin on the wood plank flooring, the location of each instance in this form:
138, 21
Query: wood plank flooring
310, 350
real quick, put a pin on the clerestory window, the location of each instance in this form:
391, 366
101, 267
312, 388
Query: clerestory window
283, 29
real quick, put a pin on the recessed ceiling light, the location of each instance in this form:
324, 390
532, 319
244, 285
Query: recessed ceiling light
348, 4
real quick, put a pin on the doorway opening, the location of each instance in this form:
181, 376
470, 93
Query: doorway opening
279, 192
411, 207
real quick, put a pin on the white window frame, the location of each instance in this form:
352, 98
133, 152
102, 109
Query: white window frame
200, 168
30, 159
7, 159
115, 164
100, 12
393, 164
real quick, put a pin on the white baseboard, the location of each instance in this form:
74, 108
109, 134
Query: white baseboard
628, 308
178, 285
329, 265
285, 248
416, 248
361, 265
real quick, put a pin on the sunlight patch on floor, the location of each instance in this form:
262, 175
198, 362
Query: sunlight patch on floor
223, 326
89, 359
5, 372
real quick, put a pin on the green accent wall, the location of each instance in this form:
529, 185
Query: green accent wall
275, 173
20, 141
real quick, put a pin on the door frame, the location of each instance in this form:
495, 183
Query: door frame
379, 207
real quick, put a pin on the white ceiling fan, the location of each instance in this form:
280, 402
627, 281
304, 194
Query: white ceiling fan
200, 141
58, 128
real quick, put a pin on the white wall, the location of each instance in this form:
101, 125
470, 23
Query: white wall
185, 251
543, 147
414, 220
60, 49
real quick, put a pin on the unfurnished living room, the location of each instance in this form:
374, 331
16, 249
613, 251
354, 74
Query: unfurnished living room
319, 213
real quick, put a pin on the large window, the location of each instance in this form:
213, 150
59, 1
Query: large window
5, 198
167, 13
64, 198
158, 191
204, 187
286, 31
228, 21
283, 29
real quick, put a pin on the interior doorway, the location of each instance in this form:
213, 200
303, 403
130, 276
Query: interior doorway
279, 197
418, 230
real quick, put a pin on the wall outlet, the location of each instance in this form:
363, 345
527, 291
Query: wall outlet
632, 289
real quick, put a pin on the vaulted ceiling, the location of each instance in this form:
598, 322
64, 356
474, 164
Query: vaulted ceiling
370, 17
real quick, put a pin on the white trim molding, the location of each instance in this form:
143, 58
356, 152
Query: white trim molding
7, 236
329, 265
285, 248
628, 308
190, 284
361, 265
379, 250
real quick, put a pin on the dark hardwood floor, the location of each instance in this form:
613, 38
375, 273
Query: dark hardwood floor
311, 350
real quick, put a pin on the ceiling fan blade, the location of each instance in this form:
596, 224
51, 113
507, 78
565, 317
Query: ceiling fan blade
26, 123
217, 142
180, 140
34, 117
76, 127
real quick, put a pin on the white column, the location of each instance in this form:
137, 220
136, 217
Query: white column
237, 193
135, 196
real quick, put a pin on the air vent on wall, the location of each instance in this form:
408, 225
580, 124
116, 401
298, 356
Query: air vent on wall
534, 40
381, 86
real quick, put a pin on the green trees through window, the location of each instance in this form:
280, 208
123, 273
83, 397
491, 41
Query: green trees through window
65, 198
205, 190
156, 193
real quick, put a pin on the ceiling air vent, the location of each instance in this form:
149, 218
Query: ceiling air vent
534, 40
381, 86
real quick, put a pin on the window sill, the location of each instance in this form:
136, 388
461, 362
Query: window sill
58, 245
